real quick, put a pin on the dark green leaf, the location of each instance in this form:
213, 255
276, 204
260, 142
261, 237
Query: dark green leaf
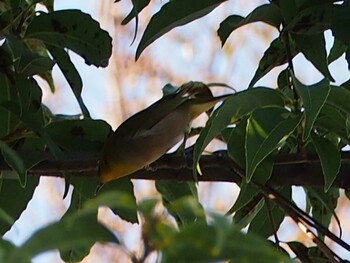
301, 251
330, 159
15, 162
274, 56
173, 14
323, 204
118, 195
331, 119
347, 57
6, 250
74, 30
269, 218
339, 98
264, 135
14, 200
236, 143
341, 20
312, 20
27, 107
75, 230
84, 190
139, 5
218, 241
25, 61
268, 13
313, 48
249, 191
245, 214
174, 195
337, 50
288, 9
80, 135
314, 97
156, 228
8, 93
234, 108
70, 73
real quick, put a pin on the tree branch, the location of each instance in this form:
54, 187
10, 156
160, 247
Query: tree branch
292, 169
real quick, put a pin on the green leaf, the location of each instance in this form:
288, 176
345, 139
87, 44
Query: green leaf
247, 195
71, 74
137, 8
156, 228
330, 159
74, 230
27, 107
275, 55
339, 98
9, 121
234, 108
6, 250
333, 120
82, 135
173, 14
236, 143
313, 48
289, 9
323, 204
314, 97
312, 20
301, 251
249, 191
74, 30
14, 200
27, 62
245, 214
337, 50
218, 241
264, 135
84, 190
118, 195
15, 162
268, 13
341, 20
269, 218
181, 200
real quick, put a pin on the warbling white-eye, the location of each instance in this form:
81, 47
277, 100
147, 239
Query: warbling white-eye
150, 133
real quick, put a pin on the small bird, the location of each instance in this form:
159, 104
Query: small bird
146, 136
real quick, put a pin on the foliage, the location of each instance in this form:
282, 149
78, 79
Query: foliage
258, 124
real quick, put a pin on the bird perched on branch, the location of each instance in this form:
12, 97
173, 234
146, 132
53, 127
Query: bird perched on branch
150, 133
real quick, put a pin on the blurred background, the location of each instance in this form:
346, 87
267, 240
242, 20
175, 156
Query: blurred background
191, 52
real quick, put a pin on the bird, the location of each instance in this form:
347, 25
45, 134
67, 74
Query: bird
146, 136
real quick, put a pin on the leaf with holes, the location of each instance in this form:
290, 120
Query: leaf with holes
74, 30
275, 55
312, 20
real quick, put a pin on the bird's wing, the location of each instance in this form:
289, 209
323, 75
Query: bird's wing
147, 118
